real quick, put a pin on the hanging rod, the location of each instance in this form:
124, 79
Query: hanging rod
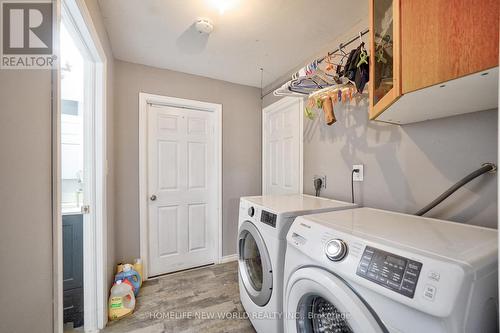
350, 41
342, 45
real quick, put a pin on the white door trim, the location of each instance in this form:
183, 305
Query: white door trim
95, 233
284, 102
144, 100
57, 247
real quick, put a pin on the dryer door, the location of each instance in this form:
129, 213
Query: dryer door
318, 301
254, 264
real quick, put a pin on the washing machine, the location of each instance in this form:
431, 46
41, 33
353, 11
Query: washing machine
366, 270
263, 224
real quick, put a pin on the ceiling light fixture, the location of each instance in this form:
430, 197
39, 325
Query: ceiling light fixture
223, 5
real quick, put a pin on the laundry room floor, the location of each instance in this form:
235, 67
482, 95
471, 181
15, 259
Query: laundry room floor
199, 300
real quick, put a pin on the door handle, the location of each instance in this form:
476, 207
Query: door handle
153, 197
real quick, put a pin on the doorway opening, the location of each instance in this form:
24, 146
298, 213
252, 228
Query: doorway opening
82, 172
74, 186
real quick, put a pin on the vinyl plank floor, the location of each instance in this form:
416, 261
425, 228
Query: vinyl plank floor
200, 300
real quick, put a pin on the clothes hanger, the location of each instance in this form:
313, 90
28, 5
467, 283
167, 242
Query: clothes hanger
315, 81
343, 56
385, 42
363, 56
293, 90
380, 56
330, 65
326, 77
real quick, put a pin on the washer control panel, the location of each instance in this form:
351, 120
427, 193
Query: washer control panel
391, 271
268, 218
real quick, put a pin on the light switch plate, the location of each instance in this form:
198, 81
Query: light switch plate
358, 176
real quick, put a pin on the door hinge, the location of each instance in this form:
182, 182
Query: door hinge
86, 209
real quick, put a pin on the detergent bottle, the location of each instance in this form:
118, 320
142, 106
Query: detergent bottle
131, 276
138, 267
121, 300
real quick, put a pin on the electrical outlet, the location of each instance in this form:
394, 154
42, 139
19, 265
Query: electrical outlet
323, 180
358, 176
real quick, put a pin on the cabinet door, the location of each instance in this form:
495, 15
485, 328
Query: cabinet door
73, 268
444, 40
72, 251
385, 55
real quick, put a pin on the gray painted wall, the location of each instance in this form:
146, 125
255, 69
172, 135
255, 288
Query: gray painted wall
25, 193
25, 201
241, 148
406, 167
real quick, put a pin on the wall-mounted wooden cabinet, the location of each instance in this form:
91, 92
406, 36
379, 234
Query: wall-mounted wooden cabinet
385, 59
432, 59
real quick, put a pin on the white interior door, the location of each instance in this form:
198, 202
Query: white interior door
182, 219
282, 164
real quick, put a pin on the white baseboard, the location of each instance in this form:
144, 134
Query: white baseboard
229, 258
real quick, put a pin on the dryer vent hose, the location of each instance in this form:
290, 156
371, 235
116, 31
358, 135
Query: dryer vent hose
487, 167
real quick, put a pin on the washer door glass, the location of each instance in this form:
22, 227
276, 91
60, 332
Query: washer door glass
254, 264
319, 315
322, 302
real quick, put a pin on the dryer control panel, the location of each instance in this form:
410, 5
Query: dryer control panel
391, 271
268, 218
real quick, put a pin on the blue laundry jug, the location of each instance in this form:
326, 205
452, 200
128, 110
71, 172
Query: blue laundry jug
130, 275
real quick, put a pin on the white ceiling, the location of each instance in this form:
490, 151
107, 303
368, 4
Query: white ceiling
277, 35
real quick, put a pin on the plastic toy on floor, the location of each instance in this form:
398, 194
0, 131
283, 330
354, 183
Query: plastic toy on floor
129, 274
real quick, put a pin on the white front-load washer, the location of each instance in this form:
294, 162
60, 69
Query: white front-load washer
366, 270
263, 224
